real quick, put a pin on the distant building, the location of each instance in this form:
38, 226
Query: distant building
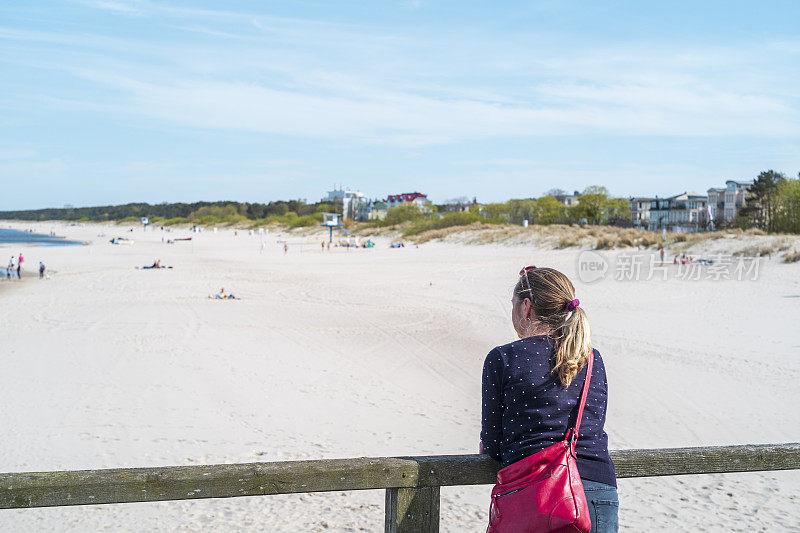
456, 205
568, 199
372, 209
725, 202
682, 213
640, 211
350, 201
417, 198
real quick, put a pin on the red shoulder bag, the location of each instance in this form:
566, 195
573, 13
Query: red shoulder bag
543, 492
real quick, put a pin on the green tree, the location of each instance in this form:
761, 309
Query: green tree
496, 211
519, 210
786, 218
402, 213
550, 211
597, 206
761, 200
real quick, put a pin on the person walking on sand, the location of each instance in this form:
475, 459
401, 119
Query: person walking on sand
41, 270
10, 267
285, 248
537, 403
662, 255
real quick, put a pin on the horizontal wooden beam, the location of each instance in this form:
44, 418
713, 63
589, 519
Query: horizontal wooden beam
124, 485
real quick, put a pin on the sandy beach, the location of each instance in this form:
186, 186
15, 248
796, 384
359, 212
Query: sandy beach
368, 352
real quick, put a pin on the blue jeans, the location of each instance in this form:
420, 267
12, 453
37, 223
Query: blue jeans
603, 506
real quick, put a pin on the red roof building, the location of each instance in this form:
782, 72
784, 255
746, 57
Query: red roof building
398, 199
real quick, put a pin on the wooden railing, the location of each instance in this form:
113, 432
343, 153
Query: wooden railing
412, 483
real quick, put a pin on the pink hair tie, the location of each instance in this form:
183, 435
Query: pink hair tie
573, 304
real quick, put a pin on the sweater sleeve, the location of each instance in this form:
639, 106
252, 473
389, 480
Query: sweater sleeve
492, 411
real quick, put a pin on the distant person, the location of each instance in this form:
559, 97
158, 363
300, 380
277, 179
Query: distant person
328, 244
21, 259
285, 248
10, 267
156, 264
662, 256
41, 270
323, 245
532, 390
221, 295
19, 270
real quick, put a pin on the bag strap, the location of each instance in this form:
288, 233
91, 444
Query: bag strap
572, 434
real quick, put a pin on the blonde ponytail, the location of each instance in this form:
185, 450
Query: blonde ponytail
573, 346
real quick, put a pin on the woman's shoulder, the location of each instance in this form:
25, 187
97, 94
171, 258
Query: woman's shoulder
537, 345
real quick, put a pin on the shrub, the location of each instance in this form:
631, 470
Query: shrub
304, 221
604, 243
402, 213
129, 220
174, 221
755, 251
447, 221
568, 241
290, 220
792, 257
647, 241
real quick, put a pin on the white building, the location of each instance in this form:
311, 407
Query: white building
725, 203
417, 198
371, 209
350, 201
682, 213
640, 211
568, 199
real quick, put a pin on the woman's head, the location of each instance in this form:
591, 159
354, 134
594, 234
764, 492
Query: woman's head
544, 303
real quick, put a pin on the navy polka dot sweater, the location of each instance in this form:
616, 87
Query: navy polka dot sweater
526, 409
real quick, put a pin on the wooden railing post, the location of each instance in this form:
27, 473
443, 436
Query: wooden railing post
412, 510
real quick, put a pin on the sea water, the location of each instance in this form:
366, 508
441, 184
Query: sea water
13, 236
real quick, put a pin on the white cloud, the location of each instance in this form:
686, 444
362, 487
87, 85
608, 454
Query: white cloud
125, 8
335, 81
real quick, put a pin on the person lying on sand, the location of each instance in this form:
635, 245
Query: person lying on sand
221, 295
156, 264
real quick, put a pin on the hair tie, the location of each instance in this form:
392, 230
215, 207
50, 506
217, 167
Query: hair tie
573, 304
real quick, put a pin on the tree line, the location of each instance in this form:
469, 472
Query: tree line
595, 206
772, 204
174, 213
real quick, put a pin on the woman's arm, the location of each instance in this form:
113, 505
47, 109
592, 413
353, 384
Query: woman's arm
492, 401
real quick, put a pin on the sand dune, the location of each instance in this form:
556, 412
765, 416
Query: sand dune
369, 352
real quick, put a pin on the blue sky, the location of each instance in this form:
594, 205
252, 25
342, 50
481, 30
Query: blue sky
114, 101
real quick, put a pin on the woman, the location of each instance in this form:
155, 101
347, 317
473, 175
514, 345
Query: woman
531, 388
